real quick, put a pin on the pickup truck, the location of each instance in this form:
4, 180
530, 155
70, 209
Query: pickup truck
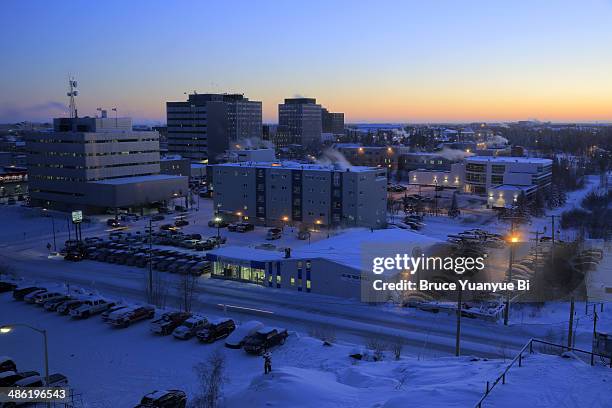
124, 317
90, 307
216, 329
168, 322
41, 298
106, 314
264, 339
190, 327
52, 304
67, 306
29, 298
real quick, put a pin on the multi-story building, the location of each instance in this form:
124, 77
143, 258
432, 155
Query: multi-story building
300, 121
372, 156
202, 128
484, 174
425, 161
92, 164
301, 194
332, 122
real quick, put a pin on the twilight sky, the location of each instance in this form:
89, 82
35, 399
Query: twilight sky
383, 61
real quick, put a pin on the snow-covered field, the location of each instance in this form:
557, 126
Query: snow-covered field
115, 367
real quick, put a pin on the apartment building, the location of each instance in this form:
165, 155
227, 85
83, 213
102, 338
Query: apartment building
288, 193
372, 156
94, 164
203, 127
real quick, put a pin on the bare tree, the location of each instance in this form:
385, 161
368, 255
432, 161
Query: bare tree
377, 346
396, 347
187, 288
158, 293
211, 376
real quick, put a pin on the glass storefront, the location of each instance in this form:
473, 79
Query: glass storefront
233, 271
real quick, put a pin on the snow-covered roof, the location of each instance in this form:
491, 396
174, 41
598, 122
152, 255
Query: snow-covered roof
508, 159
294, 165
138, 179
345, 248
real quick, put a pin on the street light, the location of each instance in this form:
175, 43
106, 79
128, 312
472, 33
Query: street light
7, 328
512, 239
285, 219
218, 221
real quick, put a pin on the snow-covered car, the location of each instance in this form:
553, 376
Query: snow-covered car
29, 298
168, 322
124, 317
106, 314
90, 307
236, 339
9, 378
164, 399
216, 329
41, 298
190, 327
52, 304
273, 233
55, 380
22, 292
67, 306
264, 339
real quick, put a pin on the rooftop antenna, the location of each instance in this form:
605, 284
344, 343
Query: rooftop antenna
72, 85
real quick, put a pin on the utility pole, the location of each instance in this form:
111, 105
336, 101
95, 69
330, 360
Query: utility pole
53, 226
513, 239
594, 336
571, 324
458, 339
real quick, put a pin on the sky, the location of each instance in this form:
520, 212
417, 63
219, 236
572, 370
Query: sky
384, 61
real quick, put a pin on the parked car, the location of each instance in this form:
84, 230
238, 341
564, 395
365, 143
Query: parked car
52, 304
90, 307
216, 329
302, 235
166, 227
105, 315
236, 339
164, 399
41, 298
244, 227
217, 240
200, 268
158, 217
7, 286
9, 378
204, 246
181, 222
67, 306
190, 327
264, 339
168, 322
21, 293
111, 222
7, 364
231, 227
124, 317
273, 233
29, 298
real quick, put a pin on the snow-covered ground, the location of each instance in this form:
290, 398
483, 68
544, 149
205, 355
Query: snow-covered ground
115, 367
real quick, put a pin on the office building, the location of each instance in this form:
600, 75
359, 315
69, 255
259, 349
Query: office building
284, 193
332, 122
93, 164
203, 127
300, 122
484, 173
371, 156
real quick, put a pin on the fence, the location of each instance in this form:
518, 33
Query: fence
519, 359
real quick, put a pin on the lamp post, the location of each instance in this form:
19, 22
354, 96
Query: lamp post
7, 328
218, 222
513, 239
285, 219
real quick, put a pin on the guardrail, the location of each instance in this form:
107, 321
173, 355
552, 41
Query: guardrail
519, 359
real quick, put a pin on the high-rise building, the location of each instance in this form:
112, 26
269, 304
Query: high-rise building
202, 128
93, 164
333, 122
300, 121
